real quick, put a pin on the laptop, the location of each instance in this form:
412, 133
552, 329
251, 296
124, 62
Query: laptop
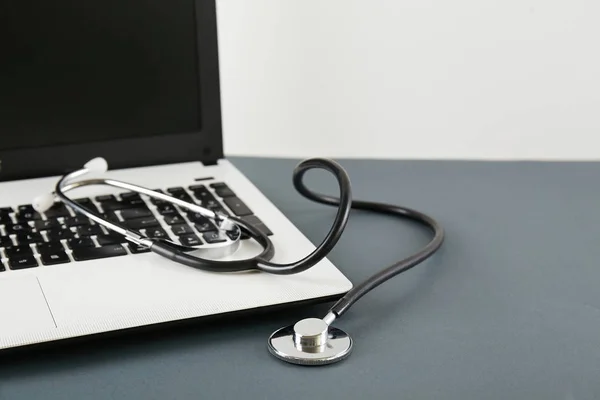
135, 82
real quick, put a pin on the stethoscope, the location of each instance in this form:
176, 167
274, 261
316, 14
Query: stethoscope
311, 341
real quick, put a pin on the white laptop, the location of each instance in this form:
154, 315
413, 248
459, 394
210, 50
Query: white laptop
138, 84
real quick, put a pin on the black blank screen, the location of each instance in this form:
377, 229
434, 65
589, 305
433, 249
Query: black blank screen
82, 70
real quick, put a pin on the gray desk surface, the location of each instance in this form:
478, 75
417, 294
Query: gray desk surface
509, 309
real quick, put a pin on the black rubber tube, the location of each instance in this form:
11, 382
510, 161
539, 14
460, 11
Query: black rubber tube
398, 267
339, 223
344, 204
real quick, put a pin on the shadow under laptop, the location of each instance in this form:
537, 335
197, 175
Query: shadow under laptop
196, 335
150, 341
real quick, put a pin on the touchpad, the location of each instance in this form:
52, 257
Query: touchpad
23, 308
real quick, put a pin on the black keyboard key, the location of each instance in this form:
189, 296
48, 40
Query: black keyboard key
197, 188
182, 229
157, 201
196, 217
5, 219
184, 197
6, 210
56, 234
17, 228
213, 237
28, 216
206, 199
135, 249
221, 210
258, 224
135, 203
113, 238
92, 208
105, 198
77, 220
133, 213
89, 230
29, 238
115, 205
111, 216
17, 251
216, 208
25, 208
223, 191
216, 185
212, 204
80, 242
50, 247
57, 210
166, 208
130, 196
190, 240
175, 190
158, 233
179, 193
53, 258
46, 224
174, 219
22, 261
141, 223
6, 241
237, 206
83, 201
92, 253
204, 225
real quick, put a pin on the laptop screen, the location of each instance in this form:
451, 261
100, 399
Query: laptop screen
74, 71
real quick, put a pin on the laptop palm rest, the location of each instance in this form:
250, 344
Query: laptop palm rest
23, 307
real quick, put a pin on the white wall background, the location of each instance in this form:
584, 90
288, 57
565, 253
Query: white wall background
493, 79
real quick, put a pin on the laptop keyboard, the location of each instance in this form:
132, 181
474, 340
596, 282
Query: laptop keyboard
29, 239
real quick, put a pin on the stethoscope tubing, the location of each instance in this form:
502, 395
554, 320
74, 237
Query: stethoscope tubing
185, 255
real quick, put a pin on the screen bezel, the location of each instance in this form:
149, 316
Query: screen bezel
205, 145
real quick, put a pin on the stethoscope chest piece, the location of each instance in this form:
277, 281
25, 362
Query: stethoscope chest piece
310, 342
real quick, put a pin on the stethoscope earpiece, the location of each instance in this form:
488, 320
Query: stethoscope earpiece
96, 165
43, 202
311, 341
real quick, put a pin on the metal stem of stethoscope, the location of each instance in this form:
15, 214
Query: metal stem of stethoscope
311, 341
98, 165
